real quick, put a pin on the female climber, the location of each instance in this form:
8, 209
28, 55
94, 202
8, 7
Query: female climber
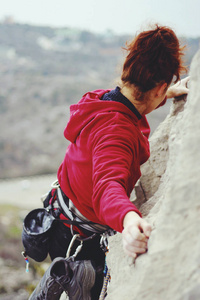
108, 133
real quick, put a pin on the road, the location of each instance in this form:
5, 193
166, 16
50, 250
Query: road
25, 192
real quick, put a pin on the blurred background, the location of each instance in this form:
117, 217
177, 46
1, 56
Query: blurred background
51, 53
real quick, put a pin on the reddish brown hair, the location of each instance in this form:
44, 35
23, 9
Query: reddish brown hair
154, 56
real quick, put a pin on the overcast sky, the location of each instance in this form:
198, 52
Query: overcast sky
120, 16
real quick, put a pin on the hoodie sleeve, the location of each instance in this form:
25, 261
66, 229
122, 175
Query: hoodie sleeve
115, 171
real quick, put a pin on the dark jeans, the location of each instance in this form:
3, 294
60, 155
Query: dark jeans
91, 250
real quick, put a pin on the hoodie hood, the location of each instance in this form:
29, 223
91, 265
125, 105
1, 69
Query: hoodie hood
87, 109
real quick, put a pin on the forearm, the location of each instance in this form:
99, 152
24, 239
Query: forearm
111, 204
129, 218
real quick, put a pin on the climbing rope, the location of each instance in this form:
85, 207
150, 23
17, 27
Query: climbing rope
107, 277
105, 286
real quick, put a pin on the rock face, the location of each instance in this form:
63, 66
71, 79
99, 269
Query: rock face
168, 195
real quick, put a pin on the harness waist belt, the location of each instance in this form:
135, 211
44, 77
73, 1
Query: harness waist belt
73, 214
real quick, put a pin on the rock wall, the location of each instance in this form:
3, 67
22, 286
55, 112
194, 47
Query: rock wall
168, 195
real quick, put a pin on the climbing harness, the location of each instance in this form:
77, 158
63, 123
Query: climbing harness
74, 215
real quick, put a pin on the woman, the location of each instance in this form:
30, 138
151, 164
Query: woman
109, 134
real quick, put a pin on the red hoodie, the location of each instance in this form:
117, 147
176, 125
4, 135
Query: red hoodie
102, 162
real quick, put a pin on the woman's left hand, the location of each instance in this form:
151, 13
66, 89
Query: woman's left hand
135, 234
179, 88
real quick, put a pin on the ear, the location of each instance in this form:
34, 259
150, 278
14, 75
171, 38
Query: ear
161, 89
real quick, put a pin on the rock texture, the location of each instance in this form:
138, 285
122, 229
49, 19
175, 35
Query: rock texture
168, 195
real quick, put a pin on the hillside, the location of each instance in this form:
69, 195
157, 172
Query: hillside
43, 71
167, 195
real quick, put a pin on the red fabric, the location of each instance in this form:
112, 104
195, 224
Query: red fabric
75, 229
102, 162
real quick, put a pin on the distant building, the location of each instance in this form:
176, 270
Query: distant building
8, 20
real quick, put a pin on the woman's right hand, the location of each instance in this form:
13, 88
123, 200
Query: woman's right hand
178, 89
135, 234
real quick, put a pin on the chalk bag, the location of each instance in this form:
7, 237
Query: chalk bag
36, 233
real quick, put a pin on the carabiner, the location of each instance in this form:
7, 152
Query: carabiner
78, 249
